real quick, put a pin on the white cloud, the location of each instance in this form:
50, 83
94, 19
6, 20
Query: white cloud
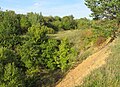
36, 4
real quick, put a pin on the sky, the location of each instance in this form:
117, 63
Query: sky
60, 8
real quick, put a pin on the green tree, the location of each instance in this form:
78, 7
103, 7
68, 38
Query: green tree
68, 22
38, 50
24, 23
10, 74
104, 8
35, 18
83, 23
66, 55
10, 41
9, 29
49, 51
9, 23
1, 15
37, 32
30, 51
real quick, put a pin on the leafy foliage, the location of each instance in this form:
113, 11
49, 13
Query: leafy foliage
29, 57
26, 51
10, 74
104, 8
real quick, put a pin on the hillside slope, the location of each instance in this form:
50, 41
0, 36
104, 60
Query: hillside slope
75, 77
109, 74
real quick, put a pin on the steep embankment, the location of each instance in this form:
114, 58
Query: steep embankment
75, 77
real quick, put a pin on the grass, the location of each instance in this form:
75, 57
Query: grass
109, 74
77, 37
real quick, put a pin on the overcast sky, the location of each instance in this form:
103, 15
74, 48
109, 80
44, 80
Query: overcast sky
48, 7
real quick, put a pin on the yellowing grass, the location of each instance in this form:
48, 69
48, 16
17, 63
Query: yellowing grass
77, 37
109, 74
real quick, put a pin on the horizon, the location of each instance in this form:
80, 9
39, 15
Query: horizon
61, 8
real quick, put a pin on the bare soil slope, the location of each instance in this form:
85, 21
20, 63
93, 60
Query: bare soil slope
75, 76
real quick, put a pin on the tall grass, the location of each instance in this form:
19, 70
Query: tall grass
109, 74
79, 38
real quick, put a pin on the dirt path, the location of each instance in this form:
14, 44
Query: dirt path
75, 77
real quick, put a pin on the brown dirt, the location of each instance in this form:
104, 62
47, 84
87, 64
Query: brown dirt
75, 76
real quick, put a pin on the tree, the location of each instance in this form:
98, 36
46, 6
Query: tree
49, 51
29, 51
9, 29
83, 23
65, 55
9, 23
104, 8
68, 22
10, 74
24, 23
37, 32
35, 18
1, 15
